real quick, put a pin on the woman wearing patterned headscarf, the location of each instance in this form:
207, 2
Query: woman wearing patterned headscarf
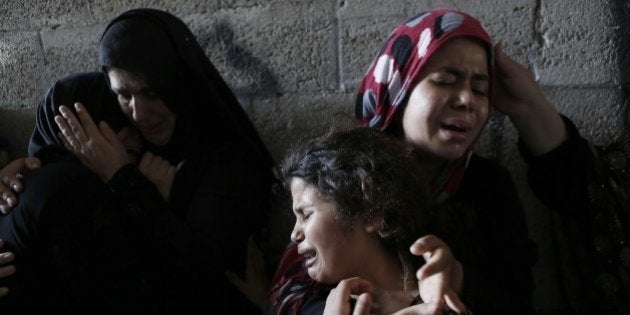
150, 233
431, 85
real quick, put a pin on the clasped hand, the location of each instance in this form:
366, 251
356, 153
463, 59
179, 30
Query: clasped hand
97, 147
103, 151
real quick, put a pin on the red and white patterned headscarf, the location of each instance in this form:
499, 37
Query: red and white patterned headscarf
396, 70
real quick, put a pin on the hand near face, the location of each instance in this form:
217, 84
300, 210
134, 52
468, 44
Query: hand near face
96, 146
10, 180
516, 91
353, 290
519, 96
255, 285
159, 171
6, 269
442, 277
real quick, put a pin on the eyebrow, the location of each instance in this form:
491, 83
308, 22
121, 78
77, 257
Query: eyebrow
126, 89
457, 72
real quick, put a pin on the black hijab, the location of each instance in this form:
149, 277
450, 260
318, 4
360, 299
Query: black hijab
159, 48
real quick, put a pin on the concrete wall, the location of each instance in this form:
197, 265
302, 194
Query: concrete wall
296, 63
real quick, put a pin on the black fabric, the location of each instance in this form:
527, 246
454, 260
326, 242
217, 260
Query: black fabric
91, 89
585, 186
170, 256
492, 242
207, 110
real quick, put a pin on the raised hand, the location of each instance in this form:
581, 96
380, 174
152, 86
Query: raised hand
520, 97
255, 285
441, 278
350, 291
97, 147
11, 183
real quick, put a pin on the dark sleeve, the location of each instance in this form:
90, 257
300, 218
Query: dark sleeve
217, 202
586, 187
498, 260
559, 178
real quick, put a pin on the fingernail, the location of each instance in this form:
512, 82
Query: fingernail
11, 201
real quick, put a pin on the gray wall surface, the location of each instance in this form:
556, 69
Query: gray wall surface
295, 65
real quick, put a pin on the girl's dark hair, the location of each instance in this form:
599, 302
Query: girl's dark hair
371, 177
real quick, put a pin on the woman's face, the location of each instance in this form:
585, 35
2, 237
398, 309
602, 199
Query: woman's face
142, 106
449, 106
332, 253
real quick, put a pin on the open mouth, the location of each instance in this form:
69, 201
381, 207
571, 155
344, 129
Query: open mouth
456, 127
309, 258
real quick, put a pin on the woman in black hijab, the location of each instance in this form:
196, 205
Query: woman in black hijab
110, 230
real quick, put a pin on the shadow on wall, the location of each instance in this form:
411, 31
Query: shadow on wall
256, 79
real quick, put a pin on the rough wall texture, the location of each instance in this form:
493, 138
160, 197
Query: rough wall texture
296, 63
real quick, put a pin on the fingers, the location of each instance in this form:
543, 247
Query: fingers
86, 128
507, 67
10, 181
354, 285
255, 259
347, 292
107, 132
151, 163
66, 122
32, 163
436, 254
426, 244
5, 269
255, 285
421, 309
363, 305
453, 302
236, 281
77, 130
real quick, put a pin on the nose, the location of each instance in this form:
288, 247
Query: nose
465, 98
297, 235
139, 109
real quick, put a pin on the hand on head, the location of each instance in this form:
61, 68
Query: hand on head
516, 92
520, 97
